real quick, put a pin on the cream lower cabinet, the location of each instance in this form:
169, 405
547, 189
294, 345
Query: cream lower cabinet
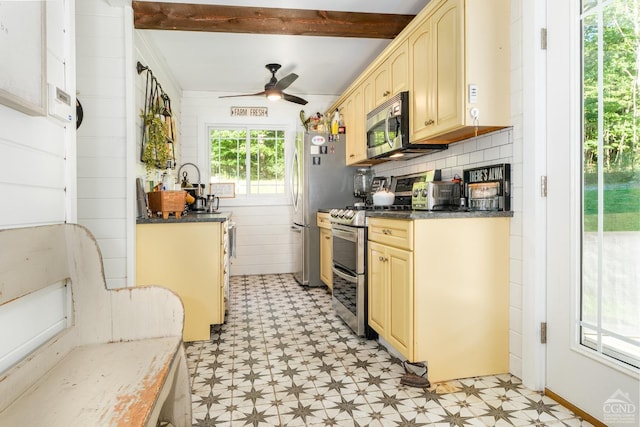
187, 258
390, 258
391, 295
439, 292
326, 248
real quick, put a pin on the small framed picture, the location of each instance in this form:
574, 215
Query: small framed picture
224, 190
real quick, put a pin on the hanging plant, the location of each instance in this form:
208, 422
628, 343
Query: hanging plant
156, 152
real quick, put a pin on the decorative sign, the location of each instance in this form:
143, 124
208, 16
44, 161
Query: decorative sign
249, 112
224, 190
488, 187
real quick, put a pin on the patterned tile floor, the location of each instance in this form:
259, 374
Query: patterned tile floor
284, 359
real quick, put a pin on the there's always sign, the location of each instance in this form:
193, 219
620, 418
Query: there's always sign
249, 112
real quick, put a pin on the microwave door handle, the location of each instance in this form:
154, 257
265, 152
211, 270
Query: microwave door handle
386, 128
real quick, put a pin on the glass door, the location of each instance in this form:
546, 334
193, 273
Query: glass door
593, 207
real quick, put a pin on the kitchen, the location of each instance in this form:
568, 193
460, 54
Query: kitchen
106, 170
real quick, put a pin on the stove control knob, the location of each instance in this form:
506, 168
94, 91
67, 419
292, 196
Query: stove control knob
415, 193
348, 214
424, 192
340, 213
333, 212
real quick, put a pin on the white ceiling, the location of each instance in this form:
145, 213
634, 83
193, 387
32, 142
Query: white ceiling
235, 63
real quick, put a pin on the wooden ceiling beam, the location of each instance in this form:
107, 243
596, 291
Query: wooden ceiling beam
259, 20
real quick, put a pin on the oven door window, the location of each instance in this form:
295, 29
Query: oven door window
345, 289
345, 251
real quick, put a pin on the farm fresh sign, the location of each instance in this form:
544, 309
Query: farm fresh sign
249, 112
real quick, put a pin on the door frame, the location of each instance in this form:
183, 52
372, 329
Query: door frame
534, 206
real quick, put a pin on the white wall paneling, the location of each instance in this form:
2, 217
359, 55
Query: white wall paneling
102, 139
35, 177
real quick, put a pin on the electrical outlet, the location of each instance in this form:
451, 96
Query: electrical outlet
473, 94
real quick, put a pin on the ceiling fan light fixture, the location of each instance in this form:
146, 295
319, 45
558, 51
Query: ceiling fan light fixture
273, 95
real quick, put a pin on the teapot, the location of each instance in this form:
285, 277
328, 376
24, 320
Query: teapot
383, 197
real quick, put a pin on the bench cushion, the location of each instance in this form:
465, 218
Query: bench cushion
114, 384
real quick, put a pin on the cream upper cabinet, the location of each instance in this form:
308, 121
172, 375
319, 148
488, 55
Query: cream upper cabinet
390, 77
459, 71
326, 248
399, 69
454, 59
354, 117
436, 73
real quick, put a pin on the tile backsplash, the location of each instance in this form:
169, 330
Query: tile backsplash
496, 147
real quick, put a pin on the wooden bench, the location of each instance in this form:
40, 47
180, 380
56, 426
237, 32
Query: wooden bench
74, 353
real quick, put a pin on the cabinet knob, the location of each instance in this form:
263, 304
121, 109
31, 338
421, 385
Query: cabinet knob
327, 237
386, 231
382, 259
386, 93
429, 122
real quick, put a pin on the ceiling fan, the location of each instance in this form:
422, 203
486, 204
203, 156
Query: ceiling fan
274, 88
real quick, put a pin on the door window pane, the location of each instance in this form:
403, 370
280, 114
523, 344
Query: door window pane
610, 297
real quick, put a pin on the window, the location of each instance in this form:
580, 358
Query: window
610, 294
251, 158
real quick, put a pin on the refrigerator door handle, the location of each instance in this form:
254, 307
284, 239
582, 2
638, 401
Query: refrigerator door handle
296, 229
295, 180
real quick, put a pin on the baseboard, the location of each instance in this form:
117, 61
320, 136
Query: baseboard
582, 414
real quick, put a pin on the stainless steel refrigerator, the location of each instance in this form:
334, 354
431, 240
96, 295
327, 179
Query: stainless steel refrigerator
320, 179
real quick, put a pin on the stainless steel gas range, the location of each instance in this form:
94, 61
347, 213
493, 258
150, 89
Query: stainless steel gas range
349, 231
350, 299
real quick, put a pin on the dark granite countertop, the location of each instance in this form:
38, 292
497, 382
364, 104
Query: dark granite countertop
411, 215
189, 217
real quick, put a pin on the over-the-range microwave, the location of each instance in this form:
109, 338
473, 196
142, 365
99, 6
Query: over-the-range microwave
388, 131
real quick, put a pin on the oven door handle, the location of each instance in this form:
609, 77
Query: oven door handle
343, 274
342, 234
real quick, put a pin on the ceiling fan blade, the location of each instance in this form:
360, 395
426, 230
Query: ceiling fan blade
248, 94
293, 98
286, 81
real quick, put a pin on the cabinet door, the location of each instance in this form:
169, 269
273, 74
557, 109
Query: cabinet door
436, 62
421, 115
400, 283
356, 140
380, 83
326, 243
368, 97
399, 69
191, 266
378, 290
449, 62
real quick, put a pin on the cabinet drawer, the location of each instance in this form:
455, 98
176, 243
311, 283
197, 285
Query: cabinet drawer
323, 220
392, 232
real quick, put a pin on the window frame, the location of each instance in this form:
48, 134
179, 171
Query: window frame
254, 198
